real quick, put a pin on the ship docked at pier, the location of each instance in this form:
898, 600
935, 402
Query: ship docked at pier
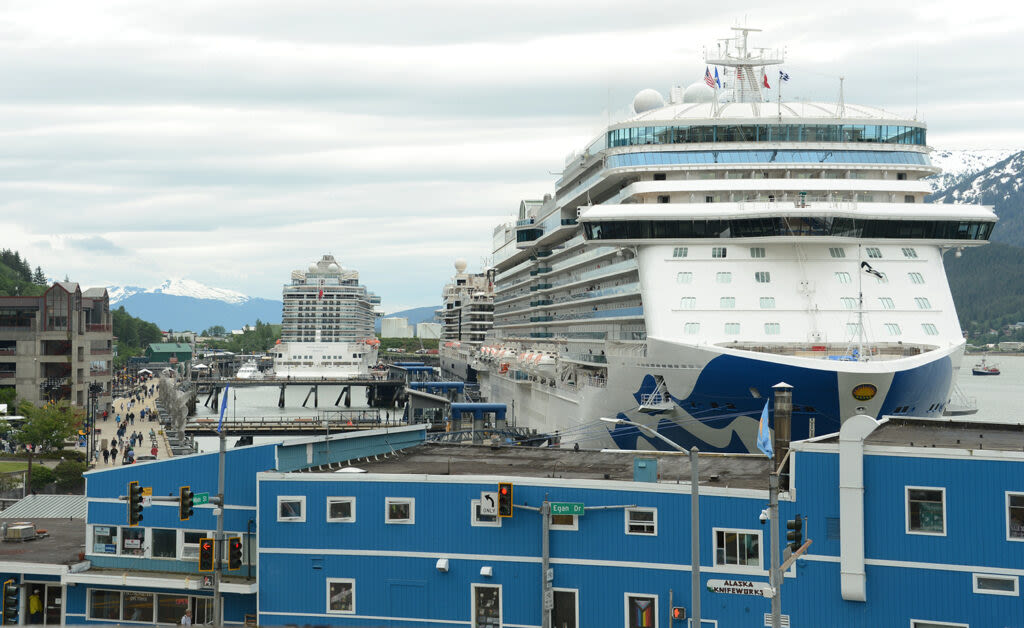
327, 326
709, 247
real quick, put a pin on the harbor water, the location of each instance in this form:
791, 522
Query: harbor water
1000, 398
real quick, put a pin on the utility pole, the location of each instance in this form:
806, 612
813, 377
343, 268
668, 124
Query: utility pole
548, 595
773, 523
218, 539
695, 537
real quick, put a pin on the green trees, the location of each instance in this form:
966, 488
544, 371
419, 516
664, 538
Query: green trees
47, 426
254, 339
16, 276
133, 335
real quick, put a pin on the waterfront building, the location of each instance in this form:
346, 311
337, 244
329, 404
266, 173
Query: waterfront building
172, 352
395, 327
56, 346
431, 331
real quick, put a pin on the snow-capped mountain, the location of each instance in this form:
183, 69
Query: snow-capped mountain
179, 288
957, 164
1000, 185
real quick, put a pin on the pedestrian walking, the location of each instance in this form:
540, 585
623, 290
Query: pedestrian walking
106, 456
113, 454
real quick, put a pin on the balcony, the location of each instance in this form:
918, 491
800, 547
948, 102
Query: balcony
97, 327
7, 374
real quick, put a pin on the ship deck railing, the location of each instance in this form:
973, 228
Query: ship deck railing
834, 351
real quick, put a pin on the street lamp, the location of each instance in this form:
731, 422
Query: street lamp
695, 580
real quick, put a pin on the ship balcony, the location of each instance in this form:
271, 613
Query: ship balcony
602, 273
585, 358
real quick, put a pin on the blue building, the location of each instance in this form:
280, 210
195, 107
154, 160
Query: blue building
914, 523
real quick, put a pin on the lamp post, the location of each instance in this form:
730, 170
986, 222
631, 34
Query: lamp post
695, 580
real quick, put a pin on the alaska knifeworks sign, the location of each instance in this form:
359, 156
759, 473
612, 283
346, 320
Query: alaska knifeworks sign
740, 587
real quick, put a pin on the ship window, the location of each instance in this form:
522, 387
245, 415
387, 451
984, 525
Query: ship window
659, 176
874, 252
718, 251
680, 251
930, 329
853, 329
732, 328
836, 251
893, 329
723, 277
882, 278
923, 303
757, 251
909, 253
727, 303
684, 277
916, 278
772, 329
688, 303
663, 198
843, 277
909, 198
763, 276
887, 303
901, 176
691, 329
849, 303
767, 303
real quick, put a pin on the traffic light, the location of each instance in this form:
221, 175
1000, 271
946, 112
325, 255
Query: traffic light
795, 534
234, 552
134, 503
205, 554
678, 613
12, 595
504, 499
185, 503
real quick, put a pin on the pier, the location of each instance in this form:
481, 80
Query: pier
380, 393
329, 422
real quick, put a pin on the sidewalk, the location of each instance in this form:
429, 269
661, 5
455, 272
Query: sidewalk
107, 429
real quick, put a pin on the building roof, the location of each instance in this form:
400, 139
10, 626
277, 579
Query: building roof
719, 470
61, 547
95, 293
47, 507
945, 434
169, 347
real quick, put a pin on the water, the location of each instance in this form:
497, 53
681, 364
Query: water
999, 397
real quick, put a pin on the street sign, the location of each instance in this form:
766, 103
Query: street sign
549, 599
147, 501
740, 587
200, 498
147, 491
489, 503
566, 508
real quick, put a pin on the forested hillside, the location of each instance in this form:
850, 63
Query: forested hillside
17, 277
133, 334
988, 286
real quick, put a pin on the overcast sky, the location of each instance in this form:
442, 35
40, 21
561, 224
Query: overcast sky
230, 142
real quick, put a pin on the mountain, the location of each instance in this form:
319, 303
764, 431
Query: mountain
1000, 185
987, 283
184, 304
415, 315
958, 164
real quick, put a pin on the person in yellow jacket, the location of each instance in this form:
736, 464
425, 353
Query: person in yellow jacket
35, 608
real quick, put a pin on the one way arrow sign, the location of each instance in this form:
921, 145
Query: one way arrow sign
489, 504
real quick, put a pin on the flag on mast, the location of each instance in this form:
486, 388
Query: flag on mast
717, 82
783, 76
223, 407
871, 271
707, 76
764, 77
764, 437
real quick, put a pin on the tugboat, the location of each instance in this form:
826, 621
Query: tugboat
983, 368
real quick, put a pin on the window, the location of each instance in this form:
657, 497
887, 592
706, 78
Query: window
923, 303
738, 547
926, 510
137, 606
684, 277
663, 198
659, 176
908, 198
893, 329
688, 303
916, 278
641, 610
757, 251
843, 277
723, 277
882, 277
732, 328
564, 522
133, 541
874, 252
849, 303
917, 623
836, 251
887, 303
486, 606
691, 329
399, 510
853, 329
772, 329
642, 521
727, 303
165, 543
105, 605
341, 509
1015, 516
930, 329
767, 303
291, 508
478, 520
104, 539
341, 595
763, 277
680, 251
909, 252
190, 544
170, 608
996, 585
718, 251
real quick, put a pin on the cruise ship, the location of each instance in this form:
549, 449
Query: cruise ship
467, 314
327, 326
719, 242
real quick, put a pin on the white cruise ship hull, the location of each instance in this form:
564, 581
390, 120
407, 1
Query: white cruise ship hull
324, 360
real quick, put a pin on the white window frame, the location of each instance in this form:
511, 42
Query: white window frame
772, 329
182, 545
472, 601
906, 508
750, 569
719, 252
334, 499
848, 303
842, 276
883, 279
757, 252
767, 303
625, 607
874, 252
476, 523
923, 303
400, 500
763, 276
909, 252
837, 252
727, 327
727, 303
684, 277
916, 278
576, 596
691, 328
1015, 579
914, 623
688, 303
290, 498
683, 251
723, 277
327, 586
654, 523
563, 526
893, 329
930, 329
1008, 495
887, 303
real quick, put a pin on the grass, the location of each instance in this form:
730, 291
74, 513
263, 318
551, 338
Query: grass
12, 466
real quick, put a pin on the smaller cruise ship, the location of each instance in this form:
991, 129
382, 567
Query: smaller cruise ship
327, 324
249, 370
467, 314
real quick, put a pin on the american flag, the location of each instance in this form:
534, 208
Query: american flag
708, 78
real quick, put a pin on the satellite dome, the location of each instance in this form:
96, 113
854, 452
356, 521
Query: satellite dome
312, 268
332, 267
460, 265
699, 92
646, 100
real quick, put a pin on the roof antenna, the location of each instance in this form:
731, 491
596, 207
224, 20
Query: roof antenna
841, 106
917, 67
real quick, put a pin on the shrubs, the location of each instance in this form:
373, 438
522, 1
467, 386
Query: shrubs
68, 475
